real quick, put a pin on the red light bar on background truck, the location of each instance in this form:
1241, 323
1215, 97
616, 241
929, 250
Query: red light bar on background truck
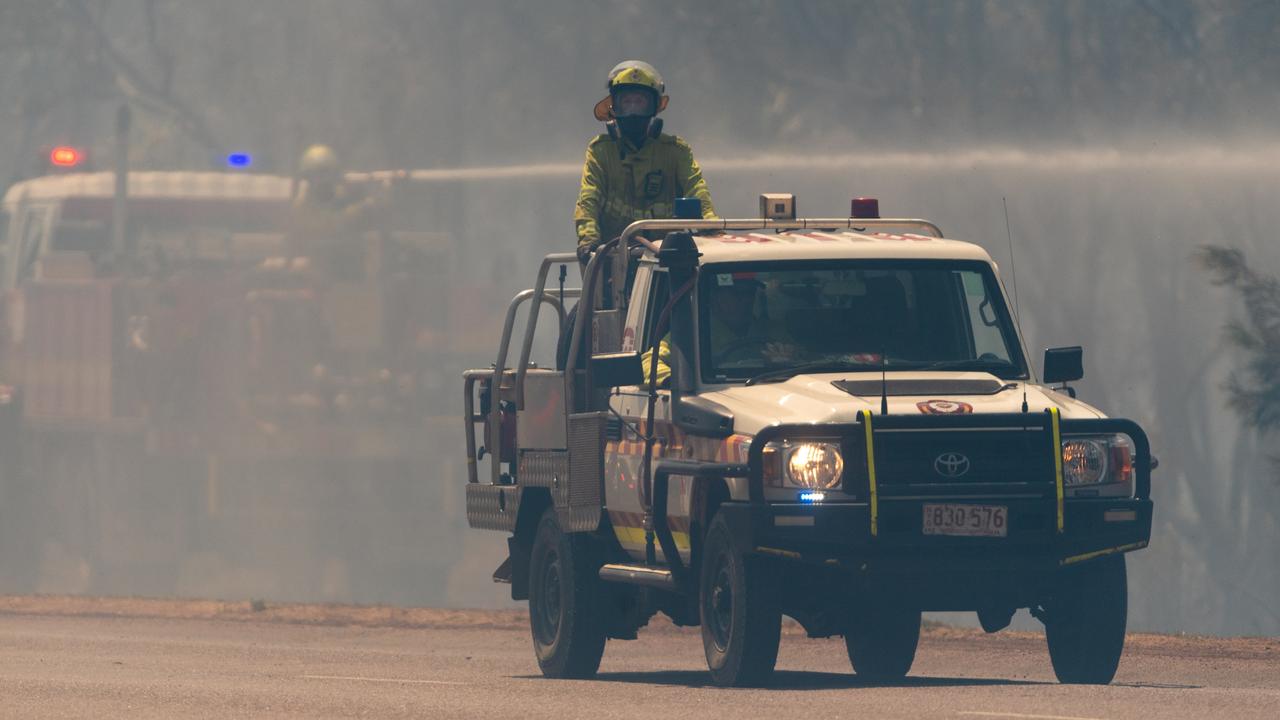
65, 156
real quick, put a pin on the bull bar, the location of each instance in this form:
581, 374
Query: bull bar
854, 532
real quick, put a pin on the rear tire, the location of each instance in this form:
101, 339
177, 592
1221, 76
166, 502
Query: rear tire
738, 607
882, 642
565, 602
1085, 621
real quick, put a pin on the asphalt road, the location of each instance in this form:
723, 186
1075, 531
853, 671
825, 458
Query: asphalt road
81, 659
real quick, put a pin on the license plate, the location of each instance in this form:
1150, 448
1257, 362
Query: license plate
966, 520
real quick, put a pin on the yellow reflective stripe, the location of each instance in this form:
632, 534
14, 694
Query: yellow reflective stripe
1055, 417
635, 536
1099, 553
871, 476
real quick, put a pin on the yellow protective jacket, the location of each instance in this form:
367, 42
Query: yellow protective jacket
663, 373
621, 184
331, 231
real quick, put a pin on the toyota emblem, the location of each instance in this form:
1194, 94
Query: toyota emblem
951, 465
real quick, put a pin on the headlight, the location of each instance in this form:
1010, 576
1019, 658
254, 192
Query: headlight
814, 466
1098, 466
1084, 462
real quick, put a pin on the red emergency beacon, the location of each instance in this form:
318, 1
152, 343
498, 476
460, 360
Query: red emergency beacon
864, 207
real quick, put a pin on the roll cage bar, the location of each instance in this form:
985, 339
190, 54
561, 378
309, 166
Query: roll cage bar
512, 381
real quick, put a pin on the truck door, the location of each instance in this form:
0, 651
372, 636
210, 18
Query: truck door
625, 450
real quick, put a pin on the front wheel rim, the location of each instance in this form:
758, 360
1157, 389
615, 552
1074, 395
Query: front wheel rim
719, 606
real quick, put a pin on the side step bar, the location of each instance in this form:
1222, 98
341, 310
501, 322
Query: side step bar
639, 575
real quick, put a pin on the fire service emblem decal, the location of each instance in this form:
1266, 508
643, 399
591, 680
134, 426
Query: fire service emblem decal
944, 407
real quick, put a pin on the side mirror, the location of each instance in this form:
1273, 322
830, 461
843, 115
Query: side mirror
700, 416
1063, 365
612, 370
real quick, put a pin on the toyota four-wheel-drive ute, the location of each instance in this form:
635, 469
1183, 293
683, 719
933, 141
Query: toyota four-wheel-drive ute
845, 429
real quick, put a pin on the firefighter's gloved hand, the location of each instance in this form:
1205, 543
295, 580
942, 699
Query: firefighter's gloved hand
584, 252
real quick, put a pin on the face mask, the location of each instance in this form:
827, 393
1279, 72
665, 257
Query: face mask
634, 129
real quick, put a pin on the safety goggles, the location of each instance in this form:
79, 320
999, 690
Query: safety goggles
633, 102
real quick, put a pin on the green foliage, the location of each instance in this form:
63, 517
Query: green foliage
1254, 387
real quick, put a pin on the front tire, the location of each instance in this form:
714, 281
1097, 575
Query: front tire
565, 602
1085, 621
738, 607
882, 642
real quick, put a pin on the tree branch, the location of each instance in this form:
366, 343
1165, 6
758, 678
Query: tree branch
136, 86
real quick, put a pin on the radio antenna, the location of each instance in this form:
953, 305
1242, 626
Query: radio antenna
1013, 270
884, 383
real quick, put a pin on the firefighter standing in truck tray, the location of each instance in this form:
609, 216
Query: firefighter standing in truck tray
634, 171
329, 217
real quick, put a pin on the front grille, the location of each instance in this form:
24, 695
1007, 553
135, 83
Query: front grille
963, 457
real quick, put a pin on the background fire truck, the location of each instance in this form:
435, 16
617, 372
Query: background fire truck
178, 390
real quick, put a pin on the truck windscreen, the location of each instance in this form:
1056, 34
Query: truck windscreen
908, 315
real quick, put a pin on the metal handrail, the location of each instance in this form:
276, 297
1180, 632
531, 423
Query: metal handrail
494, 440
591, 278
640, 226
508, 325
468, 410
585, 313
539, 291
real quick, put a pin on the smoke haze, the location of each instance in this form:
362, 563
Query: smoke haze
1123, 135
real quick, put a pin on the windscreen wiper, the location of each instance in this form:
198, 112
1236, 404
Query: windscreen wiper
786, 373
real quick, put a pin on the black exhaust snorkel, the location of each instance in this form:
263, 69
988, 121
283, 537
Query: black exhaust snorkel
679, 255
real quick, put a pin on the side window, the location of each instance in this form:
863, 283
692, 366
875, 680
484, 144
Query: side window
92, 238
33, 226
983, 318
637, 308
659, 294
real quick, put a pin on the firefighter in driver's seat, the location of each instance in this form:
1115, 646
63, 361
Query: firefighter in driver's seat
735, 333
634, 171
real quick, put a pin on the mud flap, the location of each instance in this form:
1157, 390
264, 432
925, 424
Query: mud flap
517, 568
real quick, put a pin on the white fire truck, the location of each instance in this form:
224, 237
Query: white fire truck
850, 433
151, 377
